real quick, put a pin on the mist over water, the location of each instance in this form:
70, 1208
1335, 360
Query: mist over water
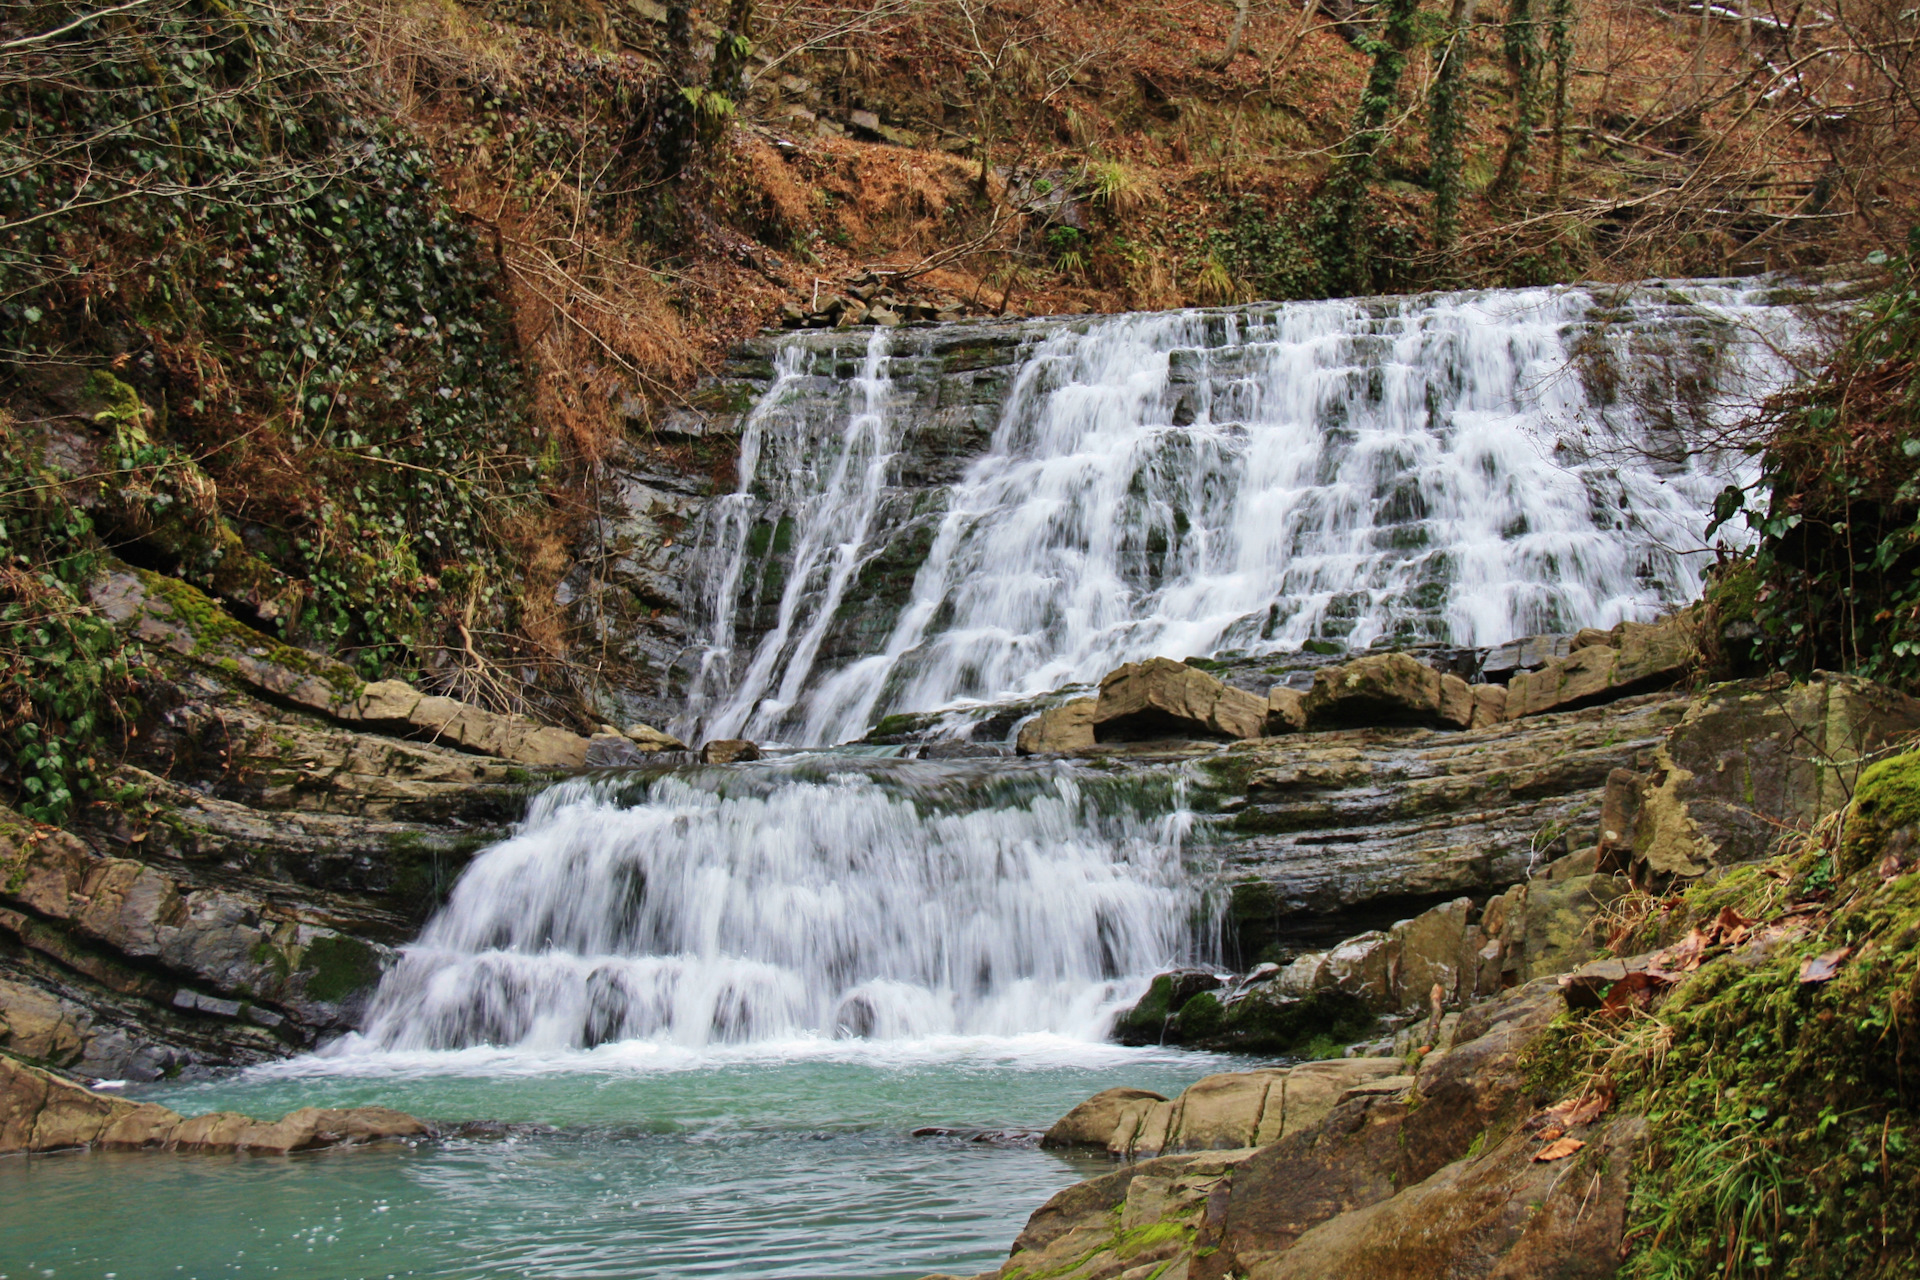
1464, 468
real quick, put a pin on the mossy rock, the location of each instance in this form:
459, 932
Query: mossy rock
1886, 799
337, 966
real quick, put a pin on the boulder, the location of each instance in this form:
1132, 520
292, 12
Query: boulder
1094, 1122
1456, 701
1146, 1022
1219, 1112
729, 751
35, 1024
1489, 705
1161, 698
612, 751
1636, 657
40, 1111
1061, 730
1286, 710
1386, 689
649, 739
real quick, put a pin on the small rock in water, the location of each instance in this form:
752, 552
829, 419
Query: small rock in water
729, 751
648, 738
612, 751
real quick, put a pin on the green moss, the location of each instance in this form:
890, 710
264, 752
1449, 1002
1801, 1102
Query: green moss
217, 635
1783, 1143
267, 955
1139, 1239
1146, 1022
339, 966
1201, 1018
1887, 798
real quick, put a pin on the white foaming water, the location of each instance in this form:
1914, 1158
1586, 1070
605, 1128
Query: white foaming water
1463, 467
795, 902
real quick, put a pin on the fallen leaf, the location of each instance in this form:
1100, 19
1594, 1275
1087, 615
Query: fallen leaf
1559, 1149
1823, 968
1584, 1109
1549, 1134
1728, 927
1683, 956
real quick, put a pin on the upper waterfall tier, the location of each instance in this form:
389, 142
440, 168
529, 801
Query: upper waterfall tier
875, 898
981, 511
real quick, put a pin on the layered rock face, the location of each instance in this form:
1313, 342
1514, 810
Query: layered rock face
297, 824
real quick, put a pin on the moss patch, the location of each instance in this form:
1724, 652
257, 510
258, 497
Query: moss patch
339, 966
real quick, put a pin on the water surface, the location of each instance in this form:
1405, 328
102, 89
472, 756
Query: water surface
632, 1160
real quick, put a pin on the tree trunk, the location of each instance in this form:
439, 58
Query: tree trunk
1561, 27
1346, 242
1234, 37
1444, 127
1523, 74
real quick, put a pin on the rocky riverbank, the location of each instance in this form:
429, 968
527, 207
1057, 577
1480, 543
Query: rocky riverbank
287, 825
1698, 996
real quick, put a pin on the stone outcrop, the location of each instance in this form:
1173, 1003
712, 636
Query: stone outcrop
1063, 730
39, 1111
1387, 689
285, 843
1369, 1171
1286, 710
1161, 698
1335, 833
1221, 1112
729, 751
215, 952
1441, 960
168, 613
1601, 666
1752, 759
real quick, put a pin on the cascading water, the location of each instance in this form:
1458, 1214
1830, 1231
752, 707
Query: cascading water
852, 898
1462, 468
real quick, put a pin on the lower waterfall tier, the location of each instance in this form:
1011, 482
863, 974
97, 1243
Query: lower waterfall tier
818, 897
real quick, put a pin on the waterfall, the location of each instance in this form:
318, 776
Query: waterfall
824, 897
1460, 468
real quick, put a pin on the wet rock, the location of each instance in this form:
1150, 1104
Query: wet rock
612, 751
1062, 730
1634, 658
1286, 710
230, 941
649, 739
1386, 689
1504, 661
1146, 1022
1344, 831
729, 751
40, 1111
1161, 698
